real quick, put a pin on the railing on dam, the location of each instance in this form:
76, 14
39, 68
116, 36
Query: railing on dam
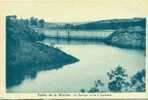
75, 35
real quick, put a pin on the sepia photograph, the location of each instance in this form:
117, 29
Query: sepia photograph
82, 47
99, 56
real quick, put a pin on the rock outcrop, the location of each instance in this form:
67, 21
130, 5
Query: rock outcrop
132, 37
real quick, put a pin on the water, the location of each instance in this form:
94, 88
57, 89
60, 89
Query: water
96, 59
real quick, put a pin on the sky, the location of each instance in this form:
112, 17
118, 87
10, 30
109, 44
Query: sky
75, 10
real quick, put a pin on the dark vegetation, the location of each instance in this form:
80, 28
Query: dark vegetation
120, 82
24, 55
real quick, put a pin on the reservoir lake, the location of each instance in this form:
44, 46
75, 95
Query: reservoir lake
96, 59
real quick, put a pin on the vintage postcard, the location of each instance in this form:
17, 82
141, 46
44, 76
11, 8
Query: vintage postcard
73, 49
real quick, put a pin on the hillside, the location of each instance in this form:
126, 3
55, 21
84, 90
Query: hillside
113, 24
101, 24
132, 37
25, 56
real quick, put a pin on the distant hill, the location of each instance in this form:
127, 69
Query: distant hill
113, 24
102, 24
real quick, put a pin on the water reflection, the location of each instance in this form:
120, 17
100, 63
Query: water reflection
15, 75
96, 59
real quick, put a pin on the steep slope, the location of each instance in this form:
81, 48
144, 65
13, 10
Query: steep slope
132, 37
25, 57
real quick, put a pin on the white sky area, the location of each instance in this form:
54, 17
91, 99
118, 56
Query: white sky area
75, 10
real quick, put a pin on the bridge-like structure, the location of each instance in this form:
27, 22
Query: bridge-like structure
69, 36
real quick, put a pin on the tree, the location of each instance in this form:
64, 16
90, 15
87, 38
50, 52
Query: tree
10, 20
118, 79
82, 90
33, 21
97, 87
41, 23
138, 81
119, 82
